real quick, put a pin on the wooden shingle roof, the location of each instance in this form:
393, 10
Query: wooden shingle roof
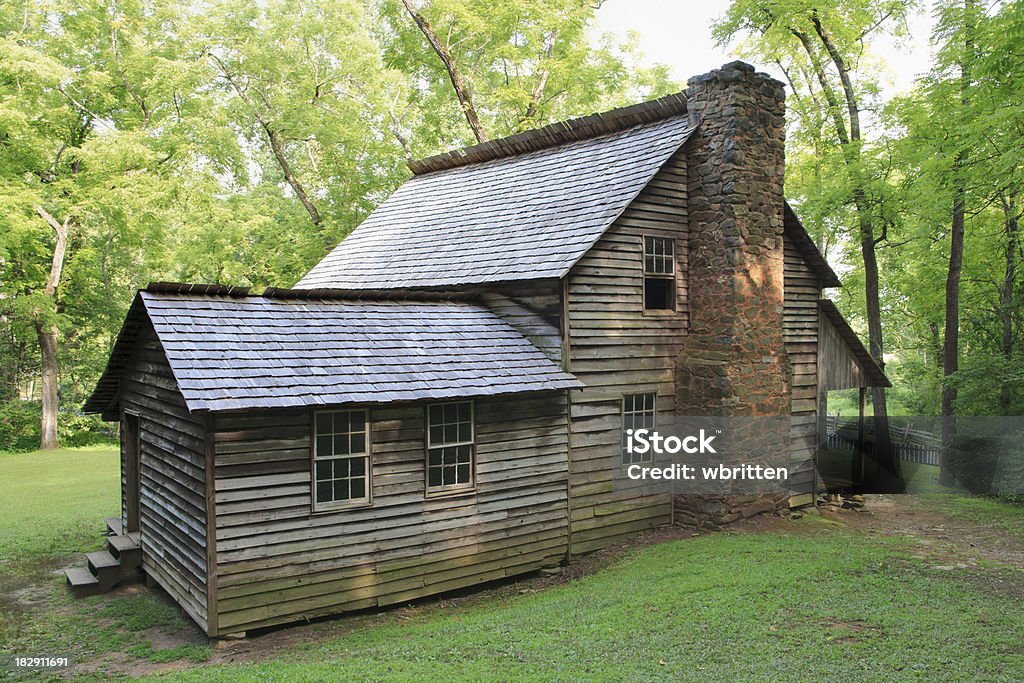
524, 208
230, 351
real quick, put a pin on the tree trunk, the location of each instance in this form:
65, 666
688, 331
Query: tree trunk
47, 335
885, 455
951, 333
46, 332
1006, 294
459, 83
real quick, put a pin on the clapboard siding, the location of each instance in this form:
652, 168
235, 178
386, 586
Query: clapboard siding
279, 562
615, 349
533, 308
800, 330
173, 478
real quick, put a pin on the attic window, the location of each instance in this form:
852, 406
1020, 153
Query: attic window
659, 273
450, 442
341, 458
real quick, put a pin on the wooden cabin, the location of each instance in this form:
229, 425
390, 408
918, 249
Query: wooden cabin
440, 402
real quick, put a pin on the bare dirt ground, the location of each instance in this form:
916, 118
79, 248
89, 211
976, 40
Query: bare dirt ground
938, 536
940, 540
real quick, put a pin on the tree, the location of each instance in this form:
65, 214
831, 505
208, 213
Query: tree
501, 68
821, 42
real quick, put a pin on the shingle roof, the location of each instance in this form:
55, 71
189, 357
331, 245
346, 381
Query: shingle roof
230, 351
530, 215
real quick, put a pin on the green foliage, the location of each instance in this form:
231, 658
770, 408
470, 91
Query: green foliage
19, 426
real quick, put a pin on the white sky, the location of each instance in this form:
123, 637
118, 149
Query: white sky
677, 33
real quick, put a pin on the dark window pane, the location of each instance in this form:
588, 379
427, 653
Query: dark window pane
434, 457
341, 489
436, 414
465, 431
357, 467
358, 443
358, 487
323, 423
465, 454
357, 421
658, 294
434, 476
323, 470
324, 446
449, 475
464, 412
323, 492
340, 444
436, 434
463, 474
451, 412
451, 433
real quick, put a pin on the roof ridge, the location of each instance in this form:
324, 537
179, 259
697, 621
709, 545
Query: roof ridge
558, 133
285, 293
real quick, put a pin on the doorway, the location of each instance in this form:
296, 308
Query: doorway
132, 457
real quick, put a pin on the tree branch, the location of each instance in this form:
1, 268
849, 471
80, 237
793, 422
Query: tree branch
459, 84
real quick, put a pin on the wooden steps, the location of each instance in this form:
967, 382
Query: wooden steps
106, 568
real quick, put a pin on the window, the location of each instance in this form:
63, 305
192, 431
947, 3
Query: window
449, 446
341, 458
639, 411
659, 273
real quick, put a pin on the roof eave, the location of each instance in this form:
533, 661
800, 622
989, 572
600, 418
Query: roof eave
872, 369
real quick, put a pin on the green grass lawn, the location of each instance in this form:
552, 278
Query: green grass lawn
53, 503
809, 599
816, 603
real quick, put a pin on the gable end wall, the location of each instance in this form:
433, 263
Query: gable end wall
615, 348
173, 479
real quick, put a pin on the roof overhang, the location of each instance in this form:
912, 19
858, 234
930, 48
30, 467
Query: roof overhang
872, 370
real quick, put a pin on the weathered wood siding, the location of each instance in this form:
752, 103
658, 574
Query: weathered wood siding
800, 327
840, 369
533, 308
617, 348
278, 562
173, 515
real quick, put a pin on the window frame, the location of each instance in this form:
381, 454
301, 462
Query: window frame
449, 489
669, 277
644, 459
330, 506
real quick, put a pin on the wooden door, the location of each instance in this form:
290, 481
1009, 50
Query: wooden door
131, 471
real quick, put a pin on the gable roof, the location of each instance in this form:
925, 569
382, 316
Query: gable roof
872, 370
229, 350
795, 230
523, 208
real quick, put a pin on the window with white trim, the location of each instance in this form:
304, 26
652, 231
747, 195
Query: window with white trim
659, 273
639, 411
341, 458
450, 446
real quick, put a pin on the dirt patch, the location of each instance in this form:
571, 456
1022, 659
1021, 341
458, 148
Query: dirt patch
947, 543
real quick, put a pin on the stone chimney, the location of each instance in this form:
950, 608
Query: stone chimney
734, 362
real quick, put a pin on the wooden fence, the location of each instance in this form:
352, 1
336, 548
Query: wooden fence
912, 445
